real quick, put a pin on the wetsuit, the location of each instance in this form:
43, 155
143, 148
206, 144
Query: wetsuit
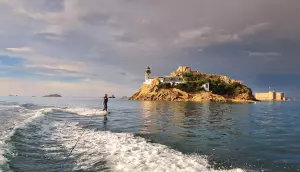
105, 103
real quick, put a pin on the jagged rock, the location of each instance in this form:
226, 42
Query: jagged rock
244, 96
184, 69
181, 70
202, 96
226, 79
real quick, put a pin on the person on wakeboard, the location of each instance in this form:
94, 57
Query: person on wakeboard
105, 102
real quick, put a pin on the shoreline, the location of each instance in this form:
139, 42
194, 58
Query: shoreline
202, 101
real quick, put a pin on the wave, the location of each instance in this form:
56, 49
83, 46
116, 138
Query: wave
100, 150
30, 106
126, 152
9, 106
84, 111
29, 117
29, 112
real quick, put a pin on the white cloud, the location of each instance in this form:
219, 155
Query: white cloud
196, 33
21, 50
253, 29
264, 54
53, 37
67, 67
23, 11
36, 59
25, 87
55, 24
42, 64
52, 29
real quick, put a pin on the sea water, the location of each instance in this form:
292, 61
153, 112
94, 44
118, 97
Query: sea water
39, 134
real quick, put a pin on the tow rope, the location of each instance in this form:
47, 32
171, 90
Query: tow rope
64, 162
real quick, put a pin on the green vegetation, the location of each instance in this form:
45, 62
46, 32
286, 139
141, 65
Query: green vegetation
190, 77
164, 85
193, 83
190, 86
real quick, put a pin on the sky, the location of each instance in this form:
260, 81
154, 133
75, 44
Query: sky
93, 47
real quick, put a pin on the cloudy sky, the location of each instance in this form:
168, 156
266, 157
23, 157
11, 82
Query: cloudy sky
92, 47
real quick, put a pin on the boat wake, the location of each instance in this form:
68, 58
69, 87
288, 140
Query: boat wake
125, 152
22, 117
85, 111
96, 150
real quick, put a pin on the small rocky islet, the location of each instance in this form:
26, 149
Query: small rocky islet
53, 95
190, 88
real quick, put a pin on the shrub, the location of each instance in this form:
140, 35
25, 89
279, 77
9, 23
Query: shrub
188, 75
165, 85
191, 77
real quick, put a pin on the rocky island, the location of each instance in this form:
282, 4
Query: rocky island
187, 85
53, 95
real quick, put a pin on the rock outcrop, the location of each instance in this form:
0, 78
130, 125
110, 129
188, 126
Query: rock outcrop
184, 69
154, 92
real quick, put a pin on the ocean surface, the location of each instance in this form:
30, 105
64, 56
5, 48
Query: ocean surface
69, 134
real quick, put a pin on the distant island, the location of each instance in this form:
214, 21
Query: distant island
53, 95
124, 97
112, 96
184, 84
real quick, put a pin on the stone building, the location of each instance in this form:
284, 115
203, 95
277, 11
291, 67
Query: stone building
163, 79
269, 96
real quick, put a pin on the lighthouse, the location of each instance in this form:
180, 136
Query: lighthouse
162, 79
147, 76
147, 73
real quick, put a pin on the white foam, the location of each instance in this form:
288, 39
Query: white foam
34, 114
2, 159
28, 116
85, 111
123, 152
19, 124
10, 106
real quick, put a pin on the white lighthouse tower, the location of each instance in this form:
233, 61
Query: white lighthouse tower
148, 80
